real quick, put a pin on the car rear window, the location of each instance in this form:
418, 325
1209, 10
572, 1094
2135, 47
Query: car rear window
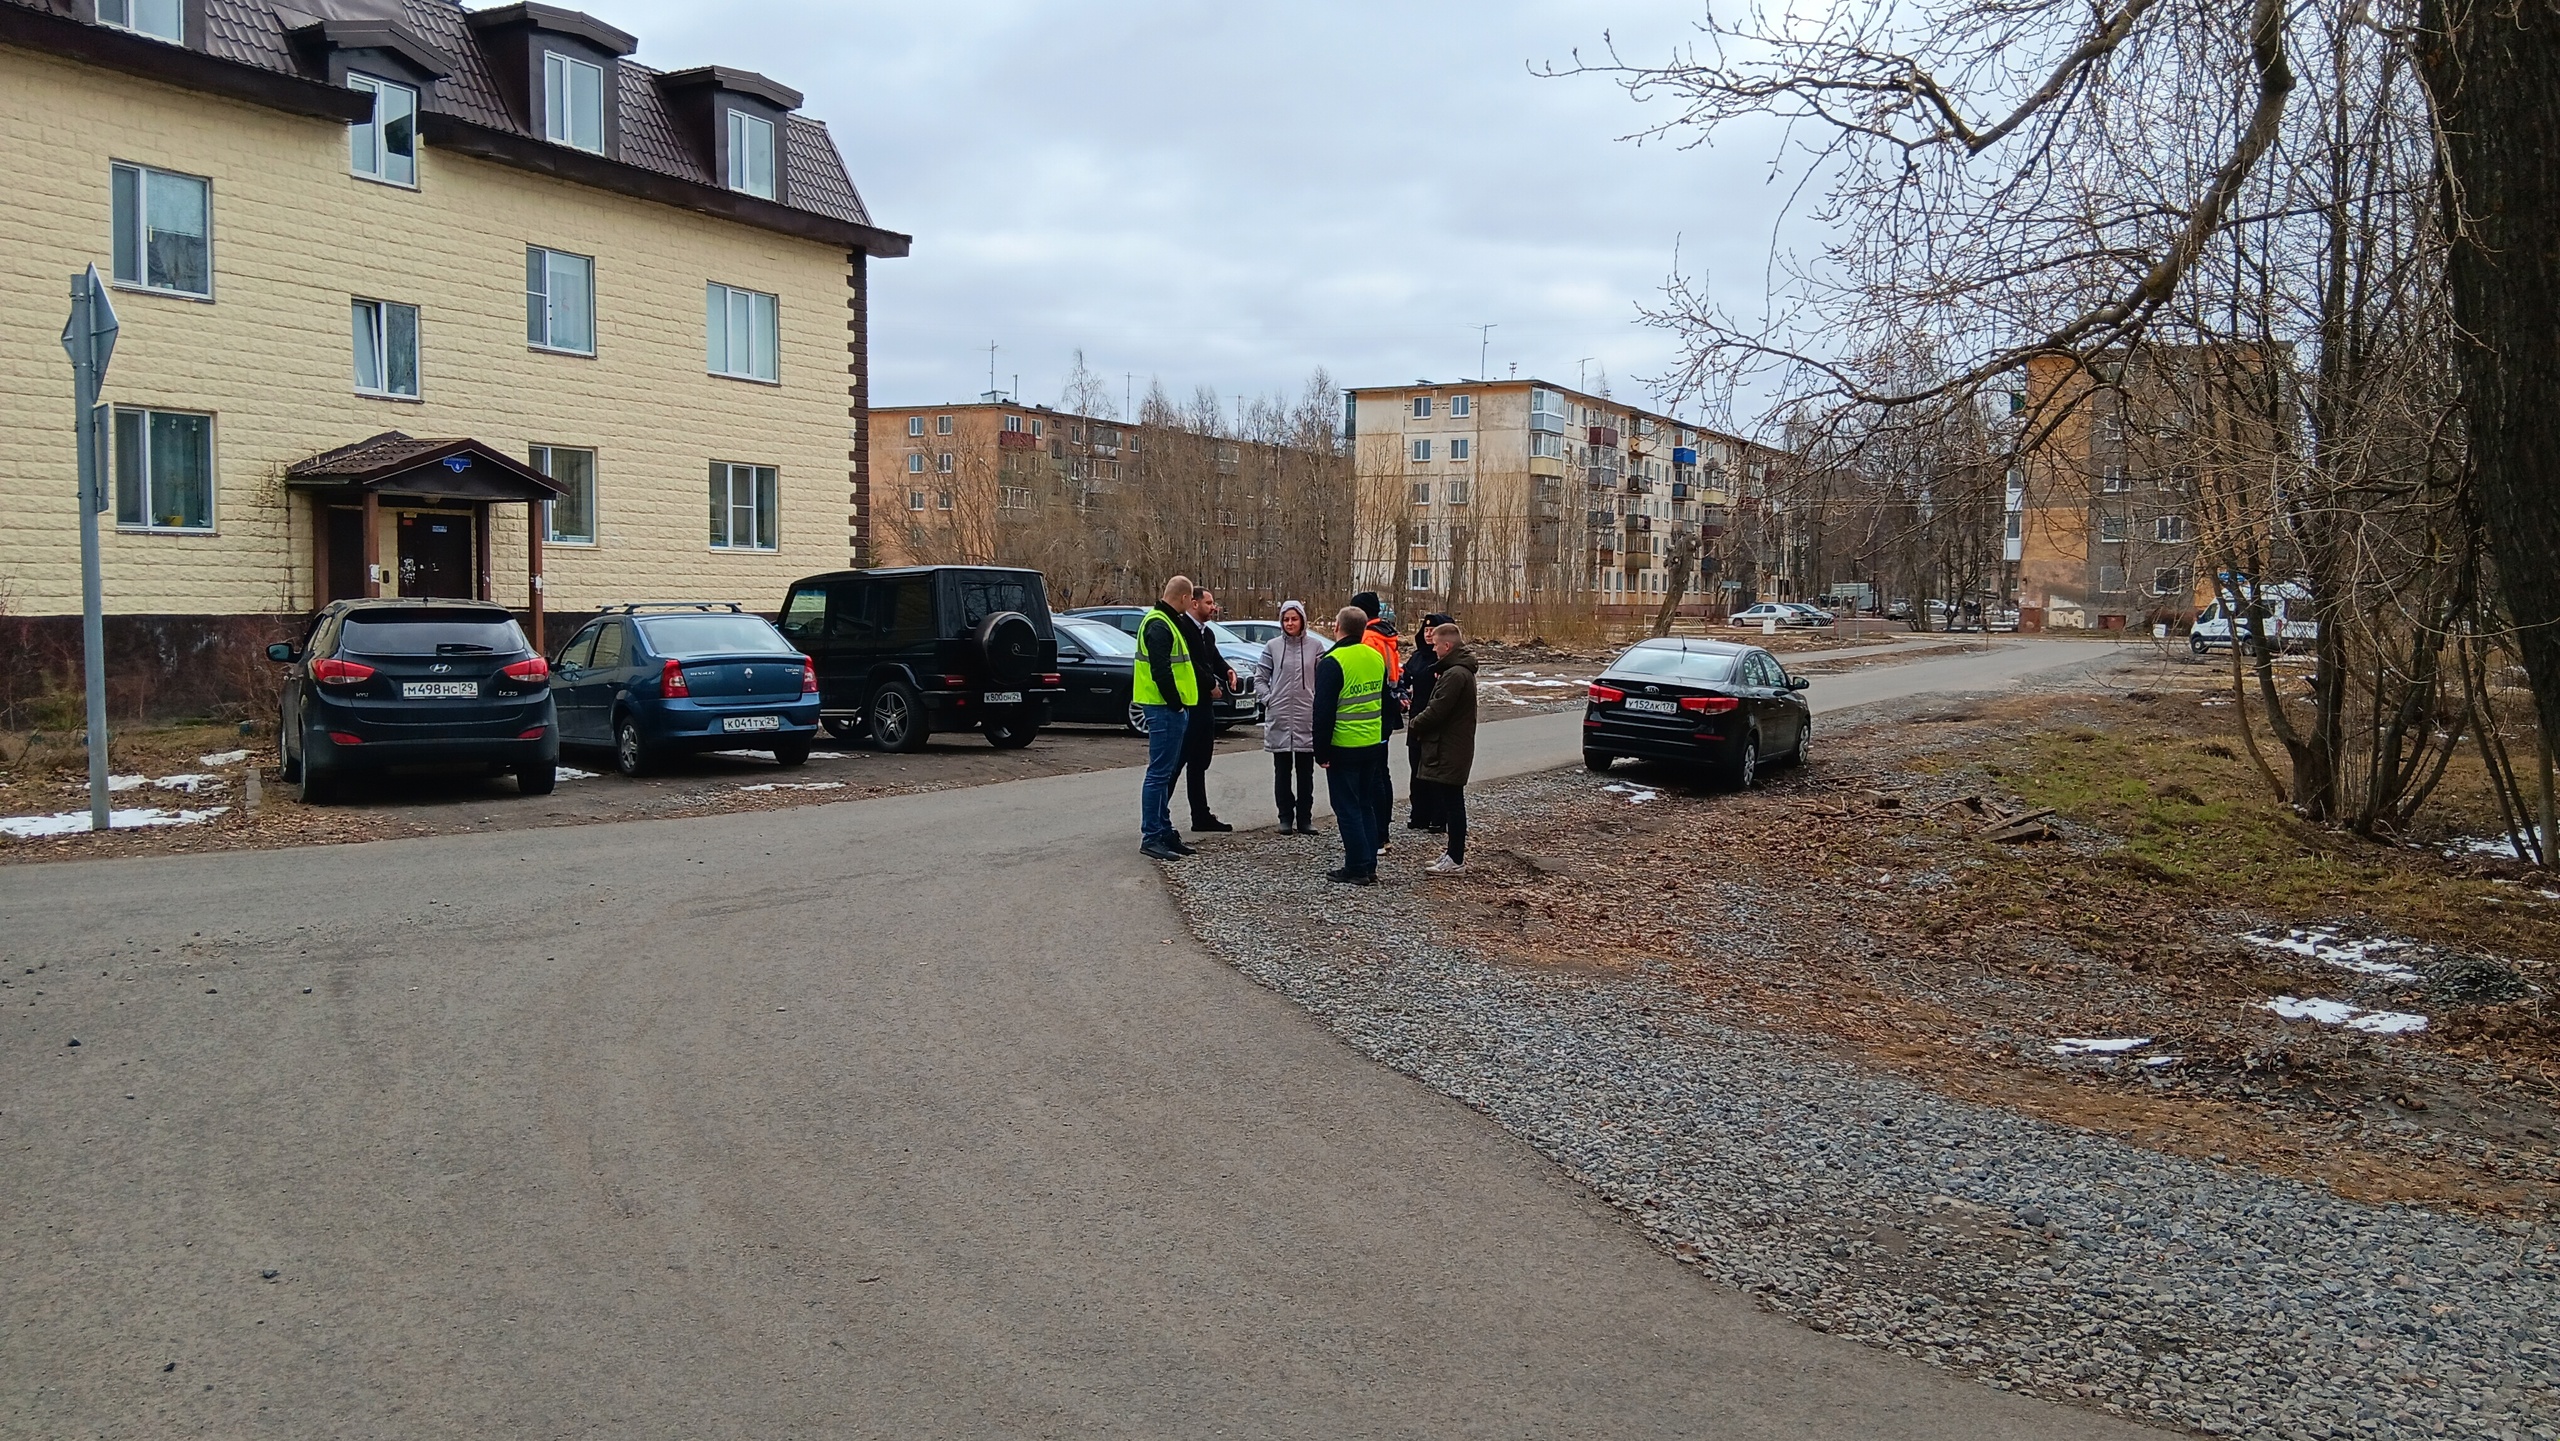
682, 637
985, 595
1691, 667
430, 632
1100, 639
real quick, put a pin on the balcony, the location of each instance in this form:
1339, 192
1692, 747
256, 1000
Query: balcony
1639, 485
1602, 519
1016, 440
1683, 455
1679, 490
1605, 436
1640, 524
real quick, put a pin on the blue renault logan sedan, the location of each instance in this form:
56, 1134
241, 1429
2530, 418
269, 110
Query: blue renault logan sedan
657, 679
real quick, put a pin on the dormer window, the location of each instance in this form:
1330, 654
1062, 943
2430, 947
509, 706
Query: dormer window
385, 148
159, 19
572, 102
751, 154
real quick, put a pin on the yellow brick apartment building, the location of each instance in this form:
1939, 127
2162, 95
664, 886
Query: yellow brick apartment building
422, 301
1521, 492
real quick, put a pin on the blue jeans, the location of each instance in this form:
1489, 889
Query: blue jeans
1165, 725
1352, 781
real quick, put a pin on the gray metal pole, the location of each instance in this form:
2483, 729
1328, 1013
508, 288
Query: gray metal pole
81, 340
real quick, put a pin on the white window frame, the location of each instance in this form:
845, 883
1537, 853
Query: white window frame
1013, 423
942, 500
725, 308
1420, 490
2169, 530
383, 313
1457, 492
915, 425
726, 476
745, 178
1461, 406
915, 463
942, 425
915, 500
115, 462
2117, 573
1422, 407
942, 463
2115, 523
548, 294
1460, 447
1418, 578
1421, 452
545, 458
2177, 580
560, 73
369, 152
144, 177
120, 15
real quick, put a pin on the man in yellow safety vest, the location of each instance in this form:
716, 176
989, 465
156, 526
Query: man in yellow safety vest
1165, 687
1352, 722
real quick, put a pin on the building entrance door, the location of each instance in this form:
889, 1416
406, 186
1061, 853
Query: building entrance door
436, 555
345, 541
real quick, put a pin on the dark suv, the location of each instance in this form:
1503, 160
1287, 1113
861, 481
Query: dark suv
904, 653
382, 683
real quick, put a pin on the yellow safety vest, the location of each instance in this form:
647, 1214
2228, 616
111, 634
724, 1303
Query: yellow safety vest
1142, 685
1360, 716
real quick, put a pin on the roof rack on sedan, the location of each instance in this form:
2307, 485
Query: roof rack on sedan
632, 607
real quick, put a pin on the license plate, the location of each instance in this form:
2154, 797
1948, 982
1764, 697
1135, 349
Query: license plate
736, 723
438, 689
1654, 707
1004, 697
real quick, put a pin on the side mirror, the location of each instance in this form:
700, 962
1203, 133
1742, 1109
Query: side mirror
280, 653
1797, 683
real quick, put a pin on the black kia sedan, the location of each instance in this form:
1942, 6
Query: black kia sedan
384, 683
1731, 708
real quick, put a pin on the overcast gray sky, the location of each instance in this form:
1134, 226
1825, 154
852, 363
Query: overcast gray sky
1232, 195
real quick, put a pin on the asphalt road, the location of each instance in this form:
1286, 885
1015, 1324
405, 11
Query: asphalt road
911, 1117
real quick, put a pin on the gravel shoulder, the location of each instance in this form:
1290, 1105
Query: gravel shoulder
1842, 1176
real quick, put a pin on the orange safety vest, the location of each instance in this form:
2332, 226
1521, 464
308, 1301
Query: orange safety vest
1385, 645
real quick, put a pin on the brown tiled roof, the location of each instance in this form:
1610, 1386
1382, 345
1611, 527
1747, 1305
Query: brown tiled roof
253, 33
409, 464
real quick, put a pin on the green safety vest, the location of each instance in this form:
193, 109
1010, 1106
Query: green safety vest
1360, 716
1142, 685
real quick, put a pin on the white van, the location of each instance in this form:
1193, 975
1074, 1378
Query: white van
2284, 620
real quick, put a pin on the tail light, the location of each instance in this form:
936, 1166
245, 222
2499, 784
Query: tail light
1709, 704
808, 676
1053, 680
340, 672
671, 681
956, 682
1607, 695
344, 739
533, 668
534, 734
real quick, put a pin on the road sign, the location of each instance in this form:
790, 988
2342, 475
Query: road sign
89, 338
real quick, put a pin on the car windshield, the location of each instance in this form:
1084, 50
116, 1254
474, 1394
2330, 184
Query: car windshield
983, 595
1218, 631
1690, 667
1100, 639
430, 632
682, 637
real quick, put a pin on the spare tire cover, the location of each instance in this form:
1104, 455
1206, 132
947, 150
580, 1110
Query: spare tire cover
1009, 647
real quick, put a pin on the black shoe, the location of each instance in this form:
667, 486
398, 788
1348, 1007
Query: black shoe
1352, 878
1178, 848
1160, 851
1212, 825
1308, 828
1417, 824
1437, 829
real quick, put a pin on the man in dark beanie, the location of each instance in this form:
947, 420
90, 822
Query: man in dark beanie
1414, 690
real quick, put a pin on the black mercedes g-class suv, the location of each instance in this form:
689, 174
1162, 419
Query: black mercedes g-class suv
906, 652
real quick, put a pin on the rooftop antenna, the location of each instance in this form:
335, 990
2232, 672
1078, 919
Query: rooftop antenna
1515, 370
1582, 377
1129, 392
991, 370
1484, 344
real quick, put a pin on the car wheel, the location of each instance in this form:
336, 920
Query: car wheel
539, 778
1598, 760
2196, 644
897, 718
791, 753
317, 784
1743, 771
631, 753
288, 766
843, 728
1804, 745
1011, 735
1137, 721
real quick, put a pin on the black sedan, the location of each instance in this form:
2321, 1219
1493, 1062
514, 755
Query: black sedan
1097, 661
383, 683
1729, 707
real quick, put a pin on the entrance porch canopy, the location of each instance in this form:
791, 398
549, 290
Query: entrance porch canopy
448, 470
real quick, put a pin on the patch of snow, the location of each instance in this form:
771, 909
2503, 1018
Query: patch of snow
2161, 1060
72, 823
796, 786
2364, 957
190, 782
222, 758
2339, 1013
572, 773
1636, 795
2503, 847
126, 783
2097, 1046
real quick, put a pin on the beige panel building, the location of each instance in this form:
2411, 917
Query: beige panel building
1523, 493
620, 312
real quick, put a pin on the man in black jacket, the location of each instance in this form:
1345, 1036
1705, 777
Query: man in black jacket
1420, 665
1200, 736
1354, 775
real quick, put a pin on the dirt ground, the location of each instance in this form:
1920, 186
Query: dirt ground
211, 772
1865, 901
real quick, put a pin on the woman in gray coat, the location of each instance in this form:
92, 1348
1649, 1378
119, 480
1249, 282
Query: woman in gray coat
1286, 677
